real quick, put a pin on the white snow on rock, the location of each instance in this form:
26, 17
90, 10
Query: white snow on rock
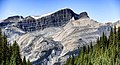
47, 14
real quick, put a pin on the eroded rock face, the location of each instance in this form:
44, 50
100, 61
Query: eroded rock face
10, 20
13, 19
84, 15
59, 18
30, 24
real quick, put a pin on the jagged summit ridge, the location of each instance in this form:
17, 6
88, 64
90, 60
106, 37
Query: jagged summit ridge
56, 19
14, 19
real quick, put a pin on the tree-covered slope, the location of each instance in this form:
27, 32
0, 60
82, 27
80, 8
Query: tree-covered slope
10, 54
105, 52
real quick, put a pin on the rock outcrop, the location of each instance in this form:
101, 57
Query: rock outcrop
59, 18
14, 19
10, 20
30, 24
84, 15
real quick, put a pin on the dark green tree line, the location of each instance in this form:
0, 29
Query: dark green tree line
106, 51
10, 54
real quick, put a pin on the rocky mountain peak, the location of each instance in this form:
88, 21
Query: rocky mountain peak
29, 18
56, 19
13, 18
10, 20
84, 15
67, 10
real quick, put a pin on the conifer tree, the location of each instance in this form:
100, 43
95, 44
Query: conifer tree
118, 33
29, 63
16, 51
24, 61
111, 37
10, 54
13, 60
115, 30
1, 47
5, 49
72, 60
106, 51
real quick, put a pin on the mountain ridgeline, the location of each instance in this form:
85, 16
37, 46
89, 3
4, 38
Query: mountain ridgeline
53, 38
106, 51
29, 24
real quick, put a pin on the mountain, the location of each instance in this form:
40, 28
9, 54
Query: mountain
106, 51
10, 20
51, 39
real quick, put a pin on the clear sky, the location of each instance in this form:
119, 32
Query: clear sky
100, 10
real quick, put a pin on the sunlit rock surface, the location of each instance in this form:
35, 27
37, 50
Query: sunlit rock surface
51, 39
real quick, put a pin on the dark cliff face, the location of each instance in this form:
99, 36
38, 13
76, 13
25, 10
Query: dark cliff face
29, 24
56, 19
84, 15
11, 20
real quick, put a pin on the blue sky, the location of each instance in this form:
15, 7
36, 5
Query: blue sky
100, 10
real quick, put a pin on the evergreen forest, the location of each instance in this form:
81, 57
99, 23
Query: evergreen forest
106, 51
10, 54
